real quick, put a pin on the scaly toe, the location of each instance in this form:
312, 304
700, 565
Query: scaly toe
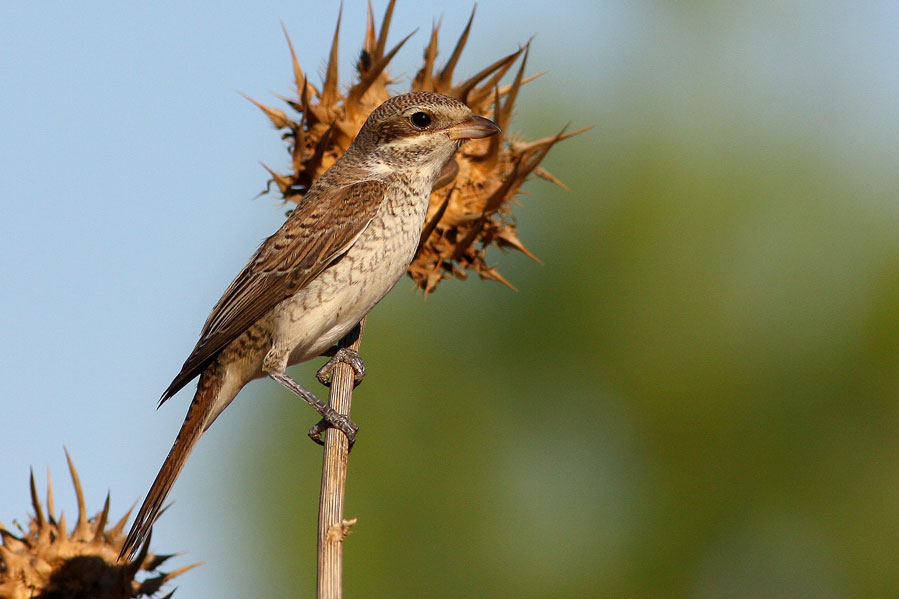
338, 421
347, 356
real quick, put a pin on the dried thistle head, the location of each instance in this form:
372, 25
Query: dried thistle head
470, 208
46, 560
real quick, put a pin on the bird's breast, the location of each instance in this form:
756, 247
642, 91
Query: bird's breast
384, 250
334, 301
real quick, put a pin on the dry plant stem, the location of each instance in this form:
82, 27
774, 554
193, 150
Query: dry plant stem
331, 526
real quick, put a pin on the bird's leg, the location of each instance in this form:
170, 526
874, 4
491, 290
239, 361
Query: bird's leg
345, 355
276, 367
330, 417
338, 353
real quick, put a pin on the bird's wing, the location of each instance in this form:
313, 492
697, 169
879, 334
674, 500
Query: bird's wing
321, 229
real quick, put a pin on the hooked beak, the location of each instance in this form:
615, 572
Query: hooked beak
474, 127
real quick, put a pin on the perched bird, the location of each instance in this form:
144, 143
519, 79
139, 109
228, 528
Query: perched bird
340, 251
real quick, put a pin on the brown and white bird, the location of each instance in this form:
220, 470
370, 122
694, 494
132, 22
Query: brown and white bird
342, 249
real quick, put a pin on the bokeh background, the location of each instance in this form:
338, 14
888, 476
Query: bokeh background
693, 396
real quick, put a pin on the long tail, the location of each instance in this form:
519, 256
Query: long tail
199, 415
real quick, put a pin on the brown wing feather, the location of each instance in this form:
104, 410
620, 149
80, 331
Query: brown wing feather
318, 231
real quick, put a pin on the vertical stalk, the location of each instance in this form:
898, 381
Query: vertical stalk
332, 528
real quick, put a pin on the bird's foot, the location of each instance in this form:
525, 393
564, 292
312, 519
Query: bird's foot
347, 356
330, 416
340, 422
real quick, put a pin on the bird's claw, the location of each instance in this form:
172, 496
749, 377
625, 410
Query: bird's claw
347, 356
338, 421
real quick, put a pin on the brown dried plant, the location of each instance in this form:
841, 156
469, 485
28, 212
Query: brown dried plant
470, 208
46, 560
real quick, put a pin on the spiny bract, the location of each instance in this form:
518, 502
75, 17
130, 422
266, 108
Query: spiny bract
46, 560
470, 206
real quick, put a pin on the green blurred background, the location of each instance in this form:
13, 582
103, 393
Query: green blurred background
693, 395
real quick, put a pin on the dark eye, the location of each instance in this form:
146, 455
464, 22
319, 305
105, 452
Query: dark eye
421, 119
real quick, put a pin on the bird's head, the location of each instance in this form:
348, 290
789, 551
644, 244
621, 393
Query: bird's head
418, 130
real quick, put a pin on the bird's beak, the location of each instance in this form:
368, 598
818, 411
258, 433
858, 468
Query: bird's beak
474, 127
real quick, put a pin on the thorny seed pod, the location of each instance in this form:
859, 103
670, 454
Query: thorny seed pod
46, 560
470, 208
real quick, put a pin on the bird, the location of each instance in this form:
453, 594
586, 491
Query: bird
341, 250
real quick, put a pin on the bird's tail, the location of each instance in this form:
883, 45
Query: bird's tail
199, 415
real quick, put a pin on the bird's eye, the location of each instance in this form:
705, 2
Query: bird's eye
421, 119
